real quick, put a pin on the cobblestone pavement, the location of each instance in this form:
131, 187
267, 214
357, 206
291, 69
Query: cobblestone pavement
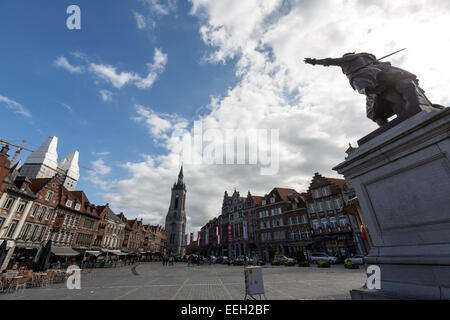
206, 282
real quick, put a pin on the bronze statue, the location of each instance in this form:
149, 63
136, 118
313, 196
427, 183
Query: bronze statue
389, 90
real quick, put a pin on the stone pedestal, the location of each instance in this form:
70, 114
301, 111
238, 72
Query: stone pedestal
402, 180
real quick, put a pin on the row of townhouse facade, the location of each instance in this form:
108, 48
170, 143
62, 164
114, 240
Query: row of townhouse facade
34, 211
286, 222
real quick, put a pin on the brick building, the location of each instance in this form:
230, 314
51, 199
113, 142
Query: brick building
331, 228
276, 219
39, 221
111, 229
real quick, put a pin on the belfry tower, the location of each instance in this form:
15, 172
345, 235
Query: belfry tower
176, 217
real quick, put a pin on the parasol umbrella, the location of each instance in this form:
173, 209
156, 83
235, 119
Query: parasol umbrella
3, 252
44, 260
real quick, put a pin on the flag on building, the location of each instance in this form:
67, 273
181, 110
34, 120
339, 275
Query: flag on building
217, 235
230, 233
191, 243
206, 237
244, 227
198, 239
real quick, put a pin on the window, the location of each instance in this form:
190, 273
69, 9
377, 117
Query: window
49, 196
41, 235
311, 208
41, 215
2, 220
264, 202
338, 203
329, 205
333, 222
8, 203
324, 222
21, 207
12, 228
176, 202
35, 210
316, 193
319, 206
33, 233
272, 200
77, 206
88, 224
304, 219
343, 221
326, 191
50, 214
315, 224
69, 203
25, 232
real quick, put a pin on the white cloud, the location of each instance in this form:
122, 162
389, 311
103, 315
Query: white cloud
166, 129
62, 62
100, 167
315, 109
157, 67
98, 173
140, 20
15, 106
152, 12
158, 8
101, 154
109, 74
106, 95
119, 79
65, 105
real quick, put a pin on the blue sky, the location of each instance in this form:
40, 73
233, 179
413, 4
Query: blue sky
129, 86
36, 34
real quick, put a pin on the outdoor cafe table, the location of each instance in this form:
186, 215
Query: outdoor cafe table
14, 279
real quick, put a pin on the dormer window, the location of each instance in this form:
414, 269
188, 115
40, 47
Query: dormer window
272, 200
69, 203
264, 202
77, 206
49, 196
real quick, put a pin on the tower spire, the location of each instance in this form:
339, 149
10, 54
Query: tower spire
181, 176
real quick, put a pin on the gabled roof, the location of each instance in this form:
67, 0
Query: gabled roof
80, 197
15, 186
38, 184
257, 199
285, 192
339, 182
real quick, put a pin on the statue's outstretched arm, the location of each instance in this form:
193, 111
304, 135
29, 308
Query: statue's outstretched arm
325, 62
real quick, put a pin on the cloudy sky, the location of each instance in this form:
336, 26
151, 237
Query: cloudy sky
126, 88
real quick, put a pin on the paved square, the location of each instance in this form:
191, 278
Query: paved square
207, 282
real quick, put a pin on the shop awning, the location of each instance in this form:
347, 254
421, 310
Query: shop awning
64, 252
116, 252
94, 253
